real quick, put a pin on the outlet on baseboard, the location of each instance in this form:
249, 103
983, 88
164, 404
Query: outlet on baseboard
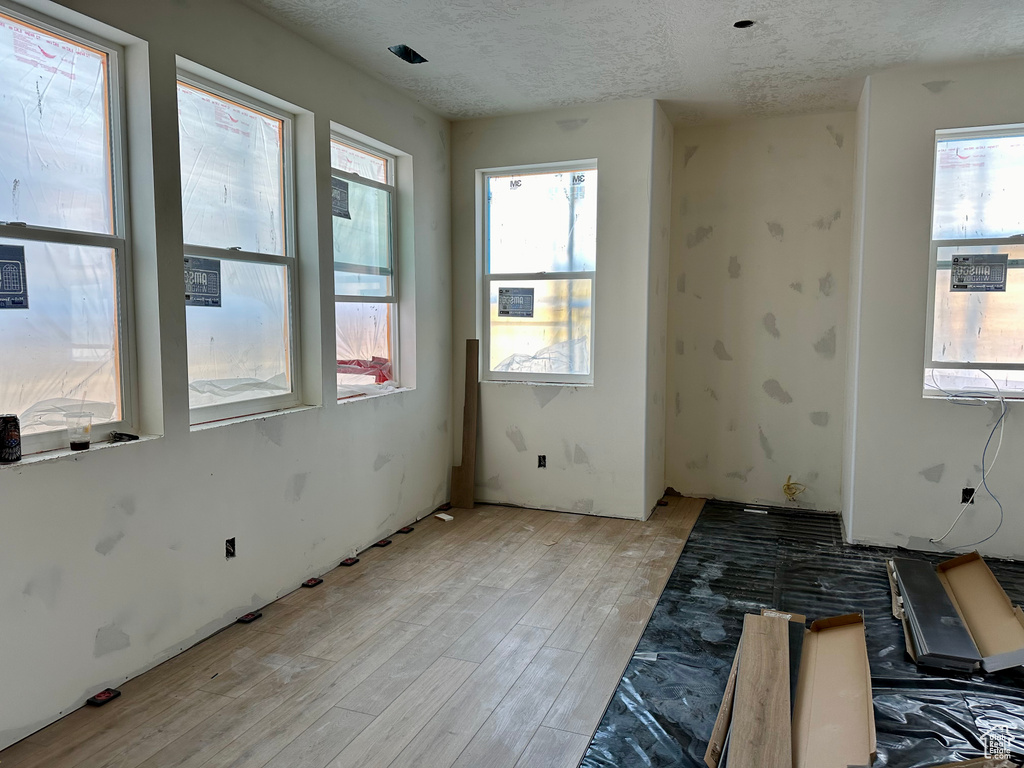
967, 496
542, 461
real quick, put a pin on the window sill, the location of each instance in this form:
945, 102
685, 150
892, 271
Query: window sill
358, 398
571, 384
67, 453
201, 427
1011, 396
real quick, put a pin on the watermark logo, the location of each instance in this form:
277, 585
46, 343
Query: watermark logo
997, 743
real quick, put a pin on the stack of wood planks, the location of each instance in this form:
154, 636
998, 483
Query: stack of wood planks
796, 697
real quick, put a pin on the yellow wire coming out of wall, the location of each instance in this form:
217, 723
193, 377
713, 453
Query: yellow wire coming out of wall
791, 489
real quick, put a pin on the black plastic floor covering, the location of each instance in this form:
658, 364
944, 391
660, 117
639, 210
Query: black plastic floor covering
738, 562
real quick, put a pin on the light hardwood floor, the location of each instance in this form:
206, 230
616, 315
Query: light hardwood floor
492, 641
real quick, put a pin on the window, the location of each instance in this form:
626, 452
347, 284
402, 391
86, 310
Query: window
365, 308
64, 249
540, 256
976, 297
240, 269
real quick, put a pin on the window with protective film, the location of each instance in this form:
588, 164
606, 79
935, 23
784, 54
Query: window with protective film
64, 257
976, 297
540, 257
365, 304
240, 270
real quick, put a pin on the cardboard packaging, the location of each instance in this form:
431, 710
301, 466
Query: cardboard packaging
834, 717
833, 723
995, 624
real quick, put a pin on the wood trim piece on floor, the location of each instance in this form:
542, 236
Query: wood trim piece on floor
464, 475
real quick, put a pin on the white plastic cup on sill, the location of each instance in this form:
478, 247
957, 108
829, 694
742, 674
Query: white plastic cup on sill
79, 424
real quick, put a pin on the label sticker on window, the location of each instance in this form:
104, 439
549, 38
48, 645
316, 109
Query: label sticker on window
339, 199
13, 278
515, 302
982, 272
578, 187
202, 282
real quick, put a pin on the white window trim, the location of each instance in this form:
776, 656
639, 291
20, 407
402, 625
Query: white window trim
119, 241
258, 405
485, 278
968, 243
391, 188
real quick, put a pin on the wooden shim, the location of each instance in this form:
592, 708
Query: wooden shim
464, 475
761, 727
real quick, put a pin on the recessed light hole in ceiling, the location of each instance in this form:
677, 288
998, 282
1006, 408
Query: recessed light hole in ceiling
744, 24
405, 53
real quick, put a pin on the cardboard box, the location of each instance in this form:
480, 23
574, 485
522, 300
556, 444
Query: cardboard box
996, 625
834, 718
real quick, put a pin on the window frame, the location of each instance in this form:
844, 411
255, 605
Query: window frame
391, 189
119, 241
486, 277
206, 414
930, 364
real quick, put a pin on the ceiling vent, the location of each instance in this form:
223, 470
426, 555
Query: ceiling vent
405, 53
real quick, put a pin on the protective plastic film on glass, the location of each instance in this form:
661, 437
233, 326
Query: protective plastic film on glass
979, 185
977, 327
544, 328
358, 161
65, 341
361, 217
55, 155
363, 334
232, 174
241, 349
542, 222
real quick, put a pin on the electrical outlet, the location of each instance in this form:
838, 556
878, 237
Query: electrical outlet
967, 496
229, 547
542, 461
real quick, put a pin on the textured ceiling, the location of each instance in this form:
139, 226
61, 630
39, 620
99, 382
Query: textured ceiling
489, 57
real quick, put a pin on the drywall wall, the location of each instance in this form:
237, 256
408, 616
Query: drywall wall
757, 308
593, 436
113, 560
657, 303
913, 455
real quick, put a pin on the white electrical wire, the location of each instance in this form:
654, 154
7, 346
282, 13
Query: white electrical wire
1000, 424
958, 397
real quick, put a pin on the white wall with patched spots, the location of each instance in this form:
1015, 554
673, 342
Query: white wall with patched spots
909, 457
112, 560
595, 438
757, 307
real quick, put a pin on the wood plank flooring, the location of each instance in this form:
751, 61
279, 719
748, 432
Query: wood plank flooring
492, 641
761, 718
